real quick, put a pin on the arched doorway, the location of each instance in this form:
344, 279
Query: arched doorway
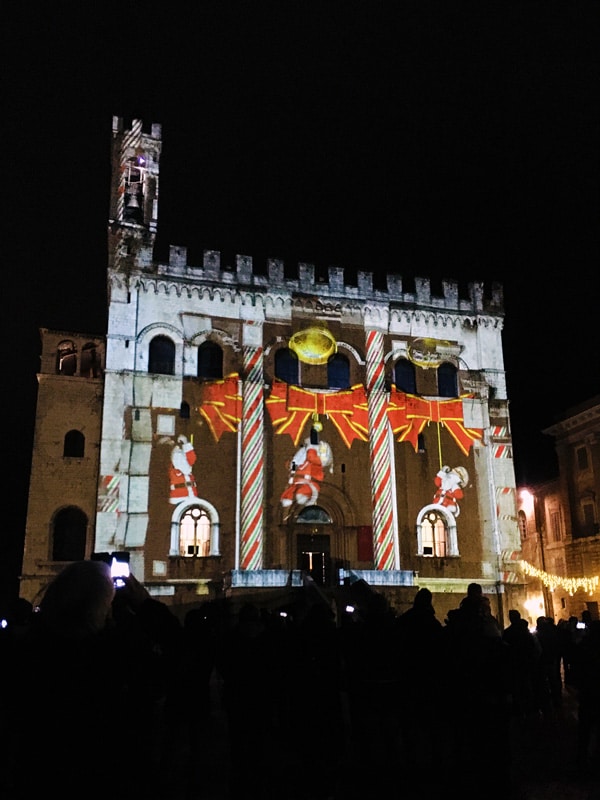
313, 544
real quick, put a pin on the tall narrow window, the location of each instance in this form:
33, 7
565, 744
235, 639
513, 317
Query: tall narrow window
434, 535
210, 361
74, 444
161, 356
90, 363
522, 518
447, 376
555, 525
286, 366
69, 534
194, 533
405, 376
582, 459
66, 358
338, 372
589, 518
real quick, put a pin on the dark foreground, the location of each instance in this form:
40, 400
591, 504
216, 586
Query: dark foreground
538, 764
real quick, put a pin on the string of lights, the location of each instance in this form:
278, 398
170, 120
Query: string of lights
552, 581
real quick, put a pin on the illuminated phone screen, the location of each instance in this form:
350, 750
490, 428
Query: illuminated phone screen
118, 571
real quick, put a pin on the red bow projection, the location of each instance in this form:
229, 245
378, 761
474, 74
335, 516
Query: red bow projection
221, 405
408, 416
291, 406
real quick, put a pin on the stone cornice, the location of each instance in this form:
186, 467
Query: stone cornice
378, 308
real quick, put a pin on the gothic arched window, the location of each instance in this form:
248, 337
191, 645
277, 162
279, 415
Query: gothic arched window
90, 363
338, 372
74, 444
404, 376
194, 533
69, 530
434, 533
447, 376
210, 361
66, 358
161, 356
286, 366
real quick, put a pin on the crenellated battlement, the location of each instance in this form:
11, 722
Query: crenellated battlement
243, 277
133, 225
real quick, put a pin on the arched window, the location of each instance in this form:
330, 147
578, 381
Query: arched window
90, 363
195, 529
184, 410
314, 515
434, 535
447, 376
161, 356
522, 519
405, 376
194, 533
286, 366
338, 372
69, 535
66, 358
210, 361
74, 444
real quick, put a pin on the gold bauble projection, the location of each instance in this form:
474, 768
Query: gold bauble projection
313, 345
428, 352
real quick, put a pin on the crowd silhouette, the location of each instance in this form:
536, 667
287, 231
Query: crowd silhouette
109, 691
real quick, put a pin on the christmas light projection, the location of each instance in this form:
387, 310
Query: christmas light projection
360, 412
553, 581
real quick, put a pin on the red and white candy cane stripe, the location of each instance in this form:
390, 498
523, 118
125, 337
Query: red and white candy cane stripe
251, 550
381, 455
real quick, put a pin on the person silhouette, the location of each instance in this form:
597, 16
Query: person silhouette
420, 652
523, 656
479, 691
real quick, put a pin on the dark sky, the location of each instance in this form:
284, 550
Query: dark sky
438, 139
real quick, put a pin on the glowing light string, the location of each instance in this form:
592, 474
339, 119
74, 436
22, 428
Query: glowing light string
553, 581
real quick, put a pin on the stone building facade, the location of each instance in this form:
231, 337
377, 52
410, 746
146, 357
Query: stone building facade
559, 521
244, 429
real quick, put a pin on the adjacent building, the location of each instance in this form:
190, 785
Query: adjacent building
558, 521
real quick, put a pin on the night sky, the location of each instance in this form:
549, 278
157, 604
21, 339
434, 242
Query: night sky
448, 140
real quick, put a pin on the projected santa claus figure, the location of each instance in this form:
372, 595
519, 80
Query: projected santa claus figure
306, 472
181, 478
450, 483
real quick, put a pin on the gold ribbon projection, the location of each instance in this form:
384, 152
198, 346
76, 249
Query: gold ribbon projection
290, 408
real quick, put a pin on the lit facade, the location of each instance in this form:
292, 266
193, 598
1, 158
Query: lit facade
242, 429
559, 521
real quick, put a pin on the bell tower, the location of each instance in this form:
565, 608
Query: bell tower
133, 216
